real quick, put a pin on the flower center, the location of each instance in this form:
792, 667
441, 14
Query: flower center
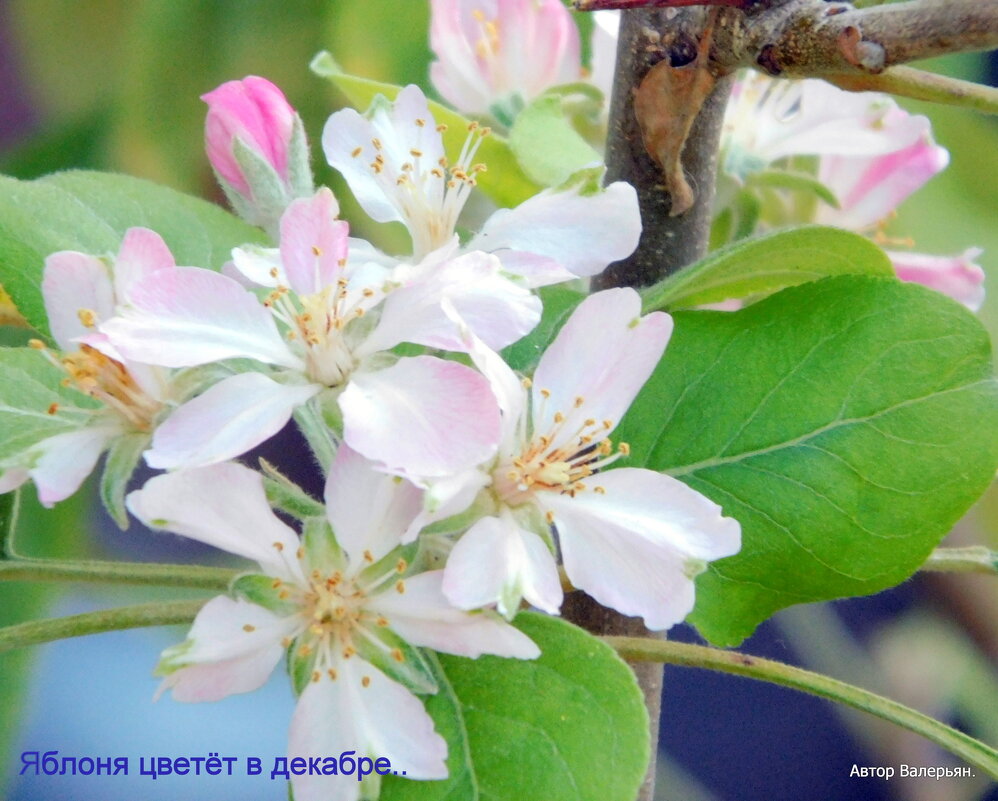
572, 449
109, 381
429, 194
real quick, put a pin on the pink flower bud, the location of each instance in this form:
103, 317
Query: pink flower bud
489, 51
256, 112
956, 276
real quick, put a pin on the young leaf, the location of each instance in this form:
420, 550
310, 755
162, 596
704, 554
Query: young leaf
570, 726
505, 182
546, 145
768, 263
846, 423
89, 212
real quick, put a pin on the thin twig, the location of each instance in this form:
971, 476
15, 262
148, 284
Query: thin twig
921, 85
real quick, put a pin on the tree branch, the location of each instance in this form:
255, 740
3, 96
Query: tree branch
922, 85
799, 38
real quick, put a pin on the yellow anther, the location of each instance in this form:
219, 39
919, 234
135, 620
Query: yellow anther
381, 620
624, 448
53, 408
37, 344
331, 673
316, 675
356, 152
397, 655
279, 546
316, 250
366, 681
87, 317
579, 401
248, 628
415, 153
545, 393
559, 417
401, 566
549, 516
526, 383
420, 123
368, 556
400, 587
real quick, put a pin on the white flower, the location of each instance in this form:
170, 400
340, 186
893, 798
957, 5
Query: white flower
395, 164
342, 603
81, 291
632, 538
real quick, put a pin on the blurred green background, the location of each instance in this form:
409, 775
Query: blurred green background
115, 84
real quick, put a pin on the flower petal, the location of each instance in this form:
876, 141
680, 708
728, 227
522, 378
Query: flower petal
423, 616
376, 718
582, 232
956, 276
368, 510
65, 460
313, 243
142, 253
233, 647
190, 316
73, 282
632, 546
223, 505
496, 559
233, 416
422, 416
496, 309
603, 355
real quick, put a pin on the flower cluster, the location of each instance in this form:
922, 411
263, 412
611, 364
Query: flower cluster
867, 152
454, 486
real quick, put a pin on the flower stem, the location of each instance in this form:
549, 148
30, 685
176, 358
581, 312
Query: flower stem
126, 617
189, 576
967, 748
973, 559
922, 85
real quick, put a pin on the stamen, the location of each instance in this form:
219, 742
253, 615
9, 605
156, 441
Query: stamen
249, 628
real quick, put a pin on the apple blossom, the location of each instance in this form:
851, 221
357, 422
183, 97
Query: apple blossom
495, 55
394, 161
255, 142
956, 276
632, 538
328, 325
342, 603
769, 119
81, 291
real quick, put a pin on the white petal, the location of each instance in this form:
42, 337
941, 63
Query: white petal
603, 354
73, 281
496, 559
548, 224
628, 560
422, 416
233, 416
190, 316
234, 647
257, 266
423, 616
225, 506
496, 309
368, 510
66, 460
382, 719
659, 508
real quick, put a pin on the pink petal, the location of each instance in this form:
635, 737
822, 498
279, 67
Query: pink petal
956, 276
73, 282
190, 316
223, 505
142, 253
422, 416
233, 416
368, 510
603, 355
313, 243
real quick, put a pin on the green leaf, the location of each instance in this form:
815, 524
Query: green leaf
90, 212
34, 405
570, 726
795, 182
548, 148
505, 182
846, 423
122, 458
559, 302
768, 263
